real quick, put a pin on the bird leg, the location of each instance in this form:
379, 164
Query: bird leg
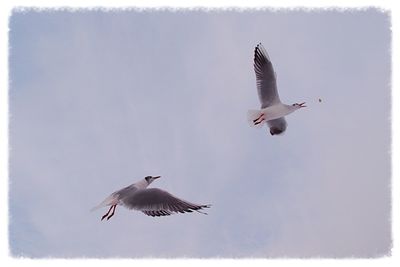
262, 114
258, 122
112, 212
259, 119
105, 215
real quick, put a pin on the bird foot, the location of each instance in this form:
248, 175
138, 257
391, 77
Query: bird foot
260, 119
261, 116
258, 122
108, 212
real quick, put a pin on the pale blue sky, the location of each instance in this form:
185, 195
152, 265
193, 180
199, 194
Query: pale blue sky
99, 100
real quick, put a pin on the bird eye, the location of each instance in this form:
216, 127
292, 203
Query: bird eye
294, 105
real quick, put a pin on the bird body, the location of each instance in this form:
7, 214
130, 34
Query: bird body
269, 113
152, 201
272, 110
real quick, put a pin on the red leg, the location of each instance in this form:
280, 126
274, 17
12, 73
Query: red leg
260, 117
105, 215
258, 122
112, 212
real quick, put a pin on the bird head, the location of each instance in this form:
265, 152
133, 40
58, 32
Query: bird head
297, 105
150, 179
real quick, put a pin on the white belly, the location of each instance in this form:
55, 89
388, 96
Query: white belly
275, 112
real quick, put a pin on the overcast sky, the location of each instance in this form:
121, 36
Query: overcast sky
98, 100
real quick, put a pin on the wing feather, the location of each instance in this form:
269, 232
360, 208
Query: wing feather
157, 202
265, 78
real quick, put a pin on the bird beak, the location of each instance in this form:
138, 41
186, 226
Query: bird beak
156, 177
302, 105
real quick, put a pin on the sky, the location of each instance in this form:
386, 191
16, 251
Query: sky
98, 100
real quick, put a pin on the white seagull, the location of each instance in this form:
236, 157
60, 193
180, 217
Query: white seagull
152, 201
272, 109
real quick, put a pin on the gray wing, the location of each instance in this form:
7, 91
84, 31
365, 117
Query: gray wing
265, 77
157, 202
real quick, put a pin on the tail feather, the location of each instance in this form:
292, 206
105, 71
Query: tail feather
253, 117
106, 202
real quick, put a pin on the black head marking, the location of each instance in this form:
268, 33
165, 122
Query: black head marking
275, 130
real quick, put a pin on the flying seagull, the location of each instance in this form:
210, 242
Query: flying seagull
272, 109
152, 201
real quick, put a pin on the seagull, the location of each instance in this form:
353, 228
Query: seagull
152, 201
272, 109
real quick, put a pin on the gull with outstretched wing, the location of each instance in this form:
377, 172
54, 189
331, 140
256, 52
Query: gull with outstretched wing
150, 201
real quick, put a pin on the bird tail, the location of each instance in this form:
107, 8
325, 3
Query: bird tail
106, 202
255, 118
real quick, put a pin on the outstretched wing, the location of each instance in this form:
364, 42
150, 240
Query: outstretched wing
157, 202
265, 77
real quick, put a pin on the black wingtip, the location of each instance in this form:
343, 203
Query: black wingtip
258, 51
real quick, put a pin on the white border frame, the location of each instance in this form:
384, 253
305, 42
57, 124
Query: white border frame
5, 12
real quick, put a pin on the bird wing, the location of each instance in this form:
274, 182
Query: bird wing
265, 77
157, 202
